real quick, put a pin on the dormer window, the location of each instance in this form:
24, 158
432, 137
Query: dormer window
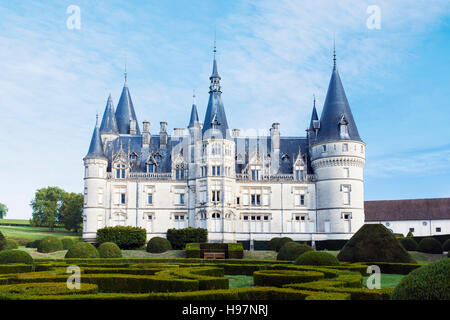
151, 167
120, 171
133, 156
179, 174
343, 126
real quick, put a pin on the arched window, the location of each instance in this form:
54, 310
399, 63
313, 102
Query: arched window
120, 170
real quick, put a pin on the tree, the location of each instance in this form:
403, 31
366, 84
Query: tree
46, 206
3, 210
71, 212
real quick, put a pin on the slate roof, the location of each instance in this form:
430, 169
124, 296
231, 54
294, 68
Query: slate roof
412, 209
96, 146
109, 123
193, 121
336, 106
125, 112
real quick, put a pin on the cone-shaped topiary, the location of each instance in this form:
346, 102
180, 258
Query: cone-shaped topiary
291, 250
67, 243
282, 242
409, 244
430, 282
374, 243
273, 243
158, 245
11, 244
49, 244
82, 250
446, 245
2, 241
430, 245
15, 256
410, 235
317, 258
109, 250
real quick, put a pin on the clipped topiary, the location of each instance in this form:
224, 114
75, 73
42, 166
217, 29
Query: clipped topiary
109, 250
15, 256
430, 245
49, 244
446, 245
33, 244
273, 243
430, 282
11, 244
126, 237
410, 235
82, 250
374, 243
158, 245
2, 241
67, 243
409, 244
282, 242
291, 250
317, 258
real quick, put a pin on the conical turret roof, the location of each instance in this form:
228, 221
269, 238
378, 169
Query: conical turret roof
125, 112
109, 123
96, 146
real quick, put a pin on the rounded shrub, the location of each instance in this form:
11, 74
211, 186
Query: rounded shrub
158, 245
374, 243
2, 241
11, 244
67, 243
126, 237
430, 245
317, 258
15, 256
82, 250
273, 243
430, 282
409, 244
282, 242
109, 250
49, 244
33, 244
291, 250
446, 245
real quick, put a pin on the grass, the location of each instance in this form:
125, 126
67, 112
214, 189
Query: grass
387, 280
37, 255
27, 233
239, 281
425, 258
15, 221
260, 255
144, 254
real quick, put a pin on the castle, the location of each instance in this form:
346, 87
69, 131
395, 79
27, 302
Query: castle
238, 187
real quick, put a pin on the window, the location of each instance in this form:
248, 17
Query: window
216, 149
299, 175
122, 198
181, 198
345, 147
150, 223
215, 196
362, 149
180, 221
151, 167
179, 174
215, 170
438, 229
299, 197
99, 222
347, 216
100, 196
324, 148
119, 219
238, 200
255, 174
256, 199
203, 196
346, 189
149, 198
387, 224
346, 172
120, 171
411, 229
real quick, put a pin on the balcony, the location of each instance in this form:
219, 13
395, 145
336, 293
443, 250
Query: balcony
275, 177
144, 176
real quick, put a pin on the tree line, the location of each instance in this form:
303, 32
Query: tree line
52, 206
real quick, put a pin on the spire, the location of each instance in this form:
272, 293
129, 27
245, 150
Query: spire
109, 123
96, 146
215, 117
125, 111
334, 54
193, 122
314, 116
336, 108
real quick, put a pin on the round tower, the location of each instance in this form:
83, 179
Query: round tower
338, 159
95, 164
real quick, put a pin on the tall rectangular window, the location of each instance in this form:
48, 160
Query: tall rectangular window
345, 147
149, 198
122, 198
346, 173
179, 174
346, 194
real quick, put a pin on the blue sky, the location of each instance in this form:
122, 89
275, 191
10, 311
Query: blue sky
272, 56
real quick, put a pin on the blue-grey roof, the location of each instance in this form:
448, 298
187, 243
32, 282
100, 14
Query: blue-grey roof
336, 106
109, 123
214, 73
193, 122
125, 112
314, 117
215, 117
96, 146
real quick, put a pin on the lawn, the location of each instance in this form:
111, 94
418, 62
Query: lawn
15, 221
240, 281
25, 234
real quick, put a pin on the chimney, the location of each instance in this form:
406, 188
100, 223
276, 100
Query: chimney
275, 137
178, 132
132, 126
146, 134
236, 132
163, 139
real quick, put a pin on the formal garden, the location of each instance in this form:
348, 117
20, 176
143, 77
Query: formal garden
185, 266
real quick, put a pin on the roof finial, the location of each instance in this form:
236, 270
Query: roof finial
125, 73
193, 96
314, 100
334, 53
215, 44
96, 118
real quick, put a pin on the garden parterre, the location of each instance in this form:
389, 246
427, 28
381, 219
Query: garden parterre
183, 279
